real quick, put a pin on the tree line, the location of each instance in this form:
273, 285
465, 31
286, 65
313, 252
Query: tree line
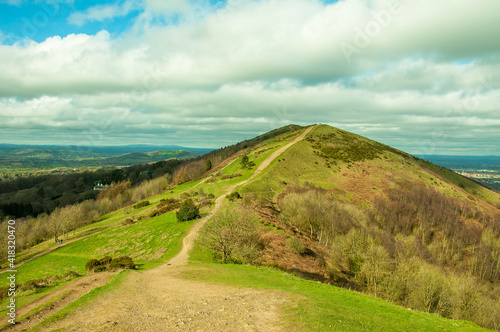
34, 195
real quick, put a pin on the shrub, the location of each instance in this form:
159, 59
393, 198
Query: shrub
92, 264
429, 292
141, 204
105, 263
122, 262
233, 196
167, 201
188, 211
100, 268
296, 246
127, 221
246, 163
313, 211
4, 292
105, 260
165, 209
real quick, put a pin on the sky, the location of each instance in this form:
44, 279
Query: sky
419, 75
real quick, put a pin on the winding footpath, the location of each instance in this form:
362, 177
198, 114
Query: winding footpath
159, 300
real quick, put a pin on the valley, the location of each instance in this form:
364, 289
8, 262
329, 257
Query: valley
20, 161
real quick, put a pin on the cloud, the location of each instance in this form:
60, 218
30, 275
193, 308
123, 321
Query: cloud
101, 13
421, 76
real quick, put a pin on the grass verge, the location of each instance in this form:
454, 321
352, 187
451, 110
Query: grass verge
325, 307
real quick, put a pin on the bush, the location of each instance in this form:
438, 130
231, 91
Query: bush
100, 268
165, 209
4, 292
30, 285
105, 263
233, 196
167, 201
127, 221
188, 211
122, 262
141, 204
429, 292
92, 264
313, 211
296, 246
105, 260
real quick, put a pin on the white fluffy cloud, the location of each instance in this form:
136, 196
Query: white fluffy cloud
100, 13
420, 75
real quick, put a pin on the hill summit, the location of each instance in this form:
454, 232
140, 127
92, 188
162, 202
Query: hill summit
317, 202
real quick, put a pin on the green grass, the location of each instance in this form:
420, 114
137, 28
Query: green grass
149, 242
144, 241
321, 307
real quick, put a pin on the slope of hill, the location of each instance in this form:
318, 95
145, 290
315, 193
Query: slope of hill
314, 207
378, 220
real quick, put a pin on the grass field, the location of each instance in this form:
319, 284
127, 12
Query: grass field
320, 307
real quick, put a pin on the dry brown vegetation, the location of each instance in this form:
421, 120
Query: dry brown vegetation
414, 246
232, 235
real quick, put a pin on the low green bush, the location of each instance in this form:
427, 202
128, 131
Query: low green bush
103, 264
92, 264
122, 262
233, 196
188, 211
141, 204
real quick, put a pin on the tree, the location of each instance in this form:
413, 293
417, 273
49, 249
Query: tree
232, 235
208, 165
188, 211
376, 266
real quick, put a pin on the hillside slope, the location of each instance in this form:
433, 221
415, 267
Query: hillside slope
270, 177
363, 215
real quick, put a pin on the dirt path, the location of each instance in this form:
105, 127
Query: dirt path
56, 300
188, 242
158, 300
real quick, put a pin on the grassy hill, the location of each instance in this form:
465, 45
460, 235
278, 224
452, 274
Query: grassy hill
318, 213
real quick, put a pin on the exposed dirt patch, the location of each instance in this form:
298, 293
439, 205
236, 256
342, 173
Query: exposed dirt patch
158, 300
70, 292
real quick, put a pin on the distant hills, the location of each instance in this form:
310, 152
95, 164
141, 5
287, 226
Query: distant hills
95, 151
25, 160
